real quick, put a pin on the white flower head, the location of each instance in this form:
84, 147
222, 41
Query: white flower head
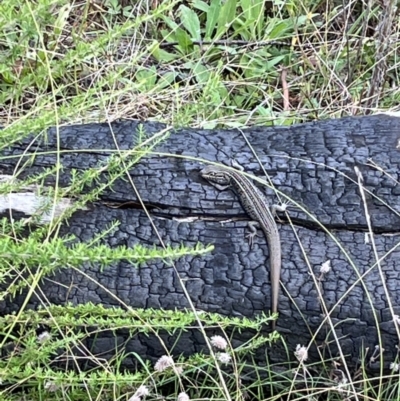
142, 391
219, 342
178, 370
396, 319
135, 398
183, 397
326, 267
301, 353
43, 337
163, 363
224, 357
394, 366
51, 386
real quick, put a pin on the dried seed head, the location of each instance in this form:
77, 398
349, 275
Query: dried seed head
301, 353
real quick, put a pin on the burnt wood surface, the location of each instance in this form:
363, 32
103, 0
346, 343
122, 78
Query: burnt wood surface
312, 163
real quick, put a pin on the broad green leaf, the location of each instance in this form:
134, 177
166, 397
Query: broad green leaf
7, 77
246, 9
280, 29
166, 80
212, 17
161, 54
302, 19
201, 5
226, 16
165, 56
171, 24
167, 35
265, 112
63, 15
183, 39
272, 62
252, 9
209, 125
261, 22
201, 73
147, 78
190, 21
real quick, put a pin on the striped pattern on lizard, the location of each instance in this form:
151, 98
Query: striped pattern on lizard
257, 207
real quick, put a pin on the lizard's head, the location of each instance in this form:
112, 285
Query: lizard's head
216, 175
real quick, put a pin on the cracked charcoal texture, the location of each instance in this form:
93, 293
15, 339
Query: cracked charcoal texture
313, 164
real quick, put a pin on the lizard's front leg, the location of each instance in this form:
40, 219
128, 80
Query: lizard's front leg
253, 225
